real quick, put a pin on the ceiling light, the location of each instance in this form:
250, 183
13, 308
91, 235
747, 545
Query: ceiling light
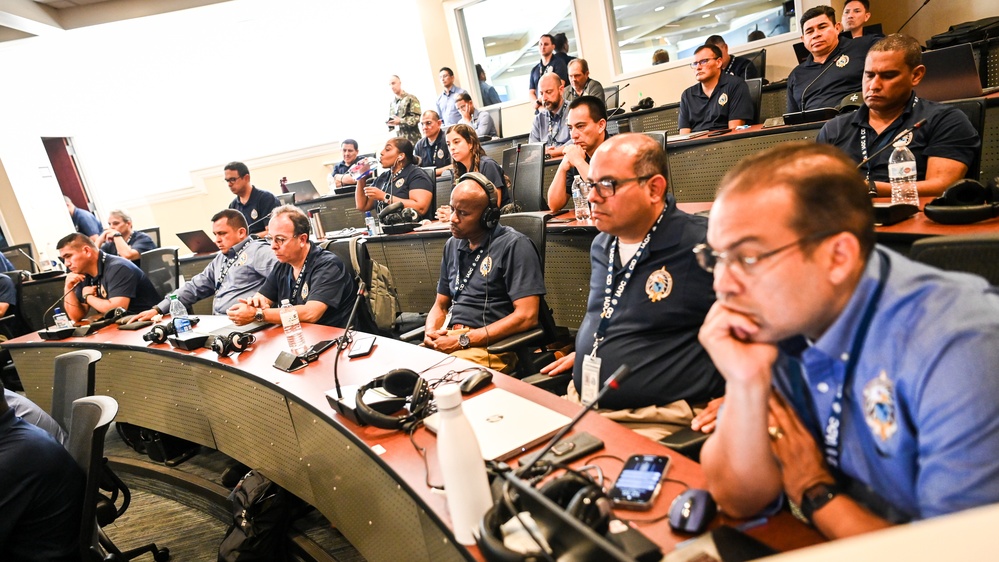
493, 44
705, 16
660, 8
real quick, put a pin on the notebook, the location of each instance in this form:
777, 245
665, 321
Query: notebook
688, 136
198, 242
303, 190
506, 424
951, 74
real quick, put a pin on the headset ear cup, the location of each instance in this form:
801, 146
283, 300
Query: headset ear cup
401, 382
561, 490
240, 341
964, 193
591, 506
421, 399
222, 346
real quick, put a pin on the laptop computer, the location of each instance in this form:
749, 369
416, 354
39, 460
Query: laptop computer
198, 242
951, 74
303, 190
506, 424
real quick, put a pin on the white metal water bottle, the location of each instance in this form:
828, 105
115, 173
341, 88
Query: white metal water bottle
464, 470
292, 328
902, 175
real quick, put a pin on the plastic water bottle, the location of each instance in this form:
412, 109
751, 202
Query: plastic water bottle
179, 315
902, 174
292, 328
462, 466
374, 229
363, 168
61, 320
579, 200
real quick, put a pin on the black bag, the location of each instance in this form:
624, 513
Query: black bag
967, 32
262, 513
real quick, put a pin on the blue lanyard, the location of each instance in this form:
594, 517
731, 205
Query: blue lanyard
296, 287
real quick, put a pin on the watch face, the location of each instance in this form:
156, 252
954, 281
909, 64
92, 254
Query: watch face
463, 340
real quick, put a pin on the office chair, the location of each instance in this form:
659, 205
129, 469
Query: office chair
163, 268
19, 260
154, 233
974, 110
970, 253
89, 423
74, 382
527, 171
755, 94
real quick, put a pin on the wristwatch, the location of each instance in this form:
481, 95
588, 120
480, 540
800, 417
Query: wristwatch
464, 342
116, 235
816, 497
388, 198
258, 316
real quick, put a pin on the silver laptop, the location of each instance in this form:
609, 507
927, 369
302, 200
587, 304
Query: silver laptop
303, 190
951, 74
506, 424
198, 242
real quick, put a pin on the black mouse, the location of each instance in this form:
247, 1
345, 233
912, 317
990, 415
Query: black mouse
691, 511
475, 381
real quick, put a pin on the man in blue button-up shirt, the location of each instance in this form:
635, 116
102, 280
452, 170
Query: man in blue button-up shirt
447, 102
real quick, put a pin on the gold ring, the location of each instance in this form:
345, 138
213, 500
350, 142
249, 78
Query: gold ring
775, 432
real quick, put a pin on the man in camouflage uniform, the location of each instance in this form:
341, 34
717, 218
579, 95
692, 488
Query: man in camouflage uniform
404, 113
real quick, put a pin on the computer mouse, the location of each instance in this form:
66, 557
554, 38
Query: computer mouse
475, 381
691, 511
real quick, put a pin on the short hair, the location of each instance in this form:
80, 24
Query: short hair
68, 200
896, 42
660, 56
75, 239
714, 50
583, 65
464, 96
756, 35
549, 36
405, 146
715, 40
238, 167
818, 11
434, 113
351, 142
866, 3
299, 221
121, 214
232, 217
827, 197
593, 104
446, 69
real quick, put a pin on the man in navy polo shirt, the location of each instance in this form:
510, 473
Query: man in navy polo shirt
647, 299
255, 204
313, 280
587, 123
549, 63
83, 221
432, 148
834, 67
490, 281
944, 147
718, 100
98, 282
121, 240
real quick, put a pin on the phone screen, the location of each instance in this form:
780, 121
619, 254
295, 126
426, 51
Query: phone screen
639, 481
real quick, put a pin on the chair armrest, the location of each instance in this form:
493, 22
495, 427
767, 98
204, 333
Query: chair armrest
687, 442
556, 384
516, 341
416, 334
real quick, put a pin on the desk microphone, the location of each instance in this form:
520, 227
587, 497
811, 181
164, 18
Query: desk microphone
258, 221
614, 382
620, 105
901, 134
48, 333
37, 265
912, 16
824, 70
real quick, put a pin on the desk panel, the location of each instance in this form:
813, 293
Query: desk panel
335, 211
567, 274
415, 262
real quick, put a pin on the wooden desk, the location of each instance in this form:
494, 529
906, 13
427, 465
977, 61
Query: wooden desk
368, 482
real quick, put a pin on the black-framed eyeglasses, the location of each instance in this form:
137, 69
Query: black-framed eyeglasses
233, 180
702, 62
709, 258
607, 188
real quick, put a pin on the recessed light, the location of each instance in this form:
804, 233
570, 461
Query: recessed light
493, 44
705, 16
660, 8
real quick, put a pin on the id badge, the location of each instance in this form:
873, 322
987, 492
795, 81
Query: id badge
591, 379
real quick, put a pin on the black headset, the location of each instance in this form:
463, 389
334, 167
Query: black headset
235, 342
408, 386
579, 495
160, 332
491, 214
965, 202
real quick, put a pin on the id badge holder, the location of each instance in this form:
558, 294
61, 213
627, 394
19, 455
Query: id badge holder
591, 379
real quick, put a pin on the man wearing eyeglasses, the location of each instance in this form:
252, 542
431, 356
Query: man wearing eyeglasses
255, 204
718, 101
313, 280
859, 384
550, 125
432, 148
647, 299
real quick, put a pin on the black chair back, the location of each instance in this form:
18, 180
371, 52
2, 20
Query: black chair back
974, 110
19, 260
497, 114
611, 94
528, 170
970, 253
755, 94
153, 233
163, 268
759, 60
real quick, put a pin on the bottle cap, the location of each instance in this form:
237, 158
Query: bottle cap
900, 143
285, 301
448, 396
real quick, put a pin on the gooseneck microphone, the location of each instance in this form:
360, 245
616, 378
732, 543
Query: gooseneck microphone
912, 16
343, 341
901, 134
57, 301
37, 265
613, 383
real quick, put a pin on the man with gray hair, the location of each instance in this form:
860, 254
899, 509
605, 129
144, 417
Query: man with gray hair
120, 240
313, 280
580, 83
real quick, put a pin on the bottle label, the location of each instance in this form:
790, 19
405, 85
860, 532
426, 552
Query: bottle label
902, 169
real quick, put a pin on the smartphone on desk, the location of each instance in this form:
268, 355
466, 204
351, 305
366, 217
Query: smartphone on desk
639, 482
361, 347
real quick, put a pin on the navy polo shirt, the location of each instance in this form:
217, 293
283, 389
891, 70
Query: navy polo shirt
8, 293
825, 85
654, 332
139, 241
493, 172
729, 101
257, 207
741, 68
325, 280
946, 134
556, 65
343, 167
433, 154
118, 277
41, 491
85, 222
509, 269
411, 177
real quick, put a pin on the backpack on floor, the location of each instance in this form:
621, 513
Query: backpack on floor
262, 513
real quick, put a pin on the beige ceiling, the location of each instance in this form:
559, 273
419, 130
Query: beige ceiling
20, 19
